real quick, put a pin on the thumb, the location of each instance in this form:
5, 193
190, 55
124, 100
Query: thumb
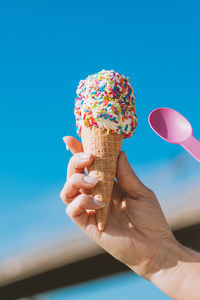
127, 178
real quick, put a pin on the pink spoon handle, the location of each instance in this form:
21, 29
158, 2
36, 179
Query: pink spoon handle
192, 145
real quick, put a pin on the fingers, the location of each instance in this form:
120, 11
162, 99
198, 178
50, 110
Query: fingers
127, 178
83, 206
74, 184
73, 144
82, 203
78, 162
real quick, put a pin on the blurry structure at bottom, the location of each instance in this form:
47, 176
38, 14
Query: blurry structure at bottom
85, 262
76, 262
124, 286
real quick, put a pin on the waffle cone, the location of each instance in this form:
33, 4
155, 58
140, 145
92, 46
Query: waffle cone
105, 148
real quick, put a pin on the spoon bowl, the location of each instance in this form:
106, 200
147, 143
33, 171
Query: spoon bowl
174, 128
170, 125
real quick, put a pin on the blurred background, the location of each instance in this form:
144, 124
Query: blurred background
46, 48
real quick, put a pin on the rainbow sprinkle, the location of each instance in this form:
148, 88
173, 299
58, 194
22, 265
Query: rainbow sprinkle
106, 100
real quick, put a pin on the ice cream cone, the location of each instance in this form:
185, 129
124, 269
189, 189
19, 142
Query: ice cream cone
105, 114
106, 149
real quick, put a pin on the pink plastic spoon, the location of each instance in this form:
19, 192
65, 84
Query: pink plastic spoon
174, 128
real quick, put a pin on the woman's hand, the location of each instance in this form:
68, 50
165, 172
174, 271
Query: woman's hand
136, 231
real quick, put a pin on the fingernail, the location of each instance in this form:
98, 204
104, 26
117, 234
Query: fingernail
99, 203
85, 156
65, 140
89, 179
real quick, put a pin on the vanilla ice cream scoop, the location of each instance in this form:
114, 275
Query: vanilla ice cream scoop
106, 100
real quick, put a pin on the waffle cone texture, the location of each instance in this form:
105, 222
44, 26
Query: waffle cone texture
105, 149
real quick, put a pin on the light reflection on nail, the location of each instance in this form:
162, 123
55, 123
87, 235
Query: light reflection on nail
123, 204
130, 225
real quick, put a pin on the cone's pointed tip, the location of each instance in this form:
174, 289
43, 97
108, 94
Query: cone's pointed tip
100, 226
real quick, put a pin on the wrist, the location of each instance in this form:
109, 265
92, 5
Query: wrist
163, 255
177, 272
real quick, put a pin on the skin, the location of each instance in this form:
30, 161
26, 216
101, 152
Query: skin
136, 232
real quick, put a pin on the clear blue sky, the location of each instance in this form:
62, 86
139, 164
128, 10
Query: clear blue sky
46, 47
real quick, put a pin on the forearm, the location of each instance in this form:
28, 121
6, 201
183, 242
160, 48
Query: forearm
179, 273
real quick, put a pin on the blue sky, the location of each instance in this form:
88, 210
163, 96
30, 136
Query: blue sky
46, 47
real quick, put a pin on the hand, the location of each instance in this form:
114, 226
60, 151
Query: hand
136, 231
